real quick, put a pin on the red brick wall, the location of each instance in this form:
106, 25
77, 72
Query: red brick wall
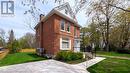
60, 33
48, 34
38, 36
51, 34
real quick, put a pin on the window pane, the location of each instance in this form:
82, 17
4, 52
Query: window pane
65, 43
68, 27
62, 25
75, 31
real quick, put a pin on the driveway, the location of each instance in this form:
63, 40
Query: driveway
49, 66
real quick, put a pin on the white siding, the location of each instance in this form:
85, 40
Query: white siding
70, 44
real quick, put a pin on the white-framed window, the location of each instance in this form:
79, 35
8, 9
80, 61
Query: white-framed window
65, 44
68, 27
75, 32
62, 25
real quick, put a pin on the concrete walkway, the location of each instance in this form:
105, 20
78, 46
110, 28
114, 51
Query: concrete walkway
50, 66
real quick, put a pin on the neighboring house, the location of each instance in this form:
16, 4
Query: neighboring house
58, 30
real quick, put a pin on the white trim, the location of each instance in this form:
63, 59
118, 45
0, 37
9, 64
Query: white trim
60, 43
70, 44
76, 45
54, 11
66, 6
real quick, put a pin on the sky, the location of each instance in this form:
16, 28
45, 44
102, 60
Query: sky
17, 22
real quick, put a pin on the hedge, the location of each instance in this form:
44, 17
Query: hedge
68, 56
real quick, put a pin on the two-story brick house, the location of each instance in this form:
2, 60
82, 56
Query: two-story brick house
58, 30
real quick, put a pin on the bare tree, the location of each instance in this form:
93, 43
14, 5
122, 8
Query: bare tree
123, 20
11, 37
2, 37
28, 41
34, 11
104, 14
120, 8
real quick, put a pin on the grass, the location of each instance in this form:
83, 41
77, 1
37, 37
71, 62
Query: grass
17, 58
113, 54
111, 65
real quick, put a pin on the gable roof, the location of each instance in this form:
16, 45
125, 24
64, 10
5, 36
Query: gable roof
67, 7
56, 10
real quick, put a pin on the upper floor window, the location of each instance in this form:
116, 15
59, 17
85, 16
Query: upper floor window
75, 31
68, 27
62, 25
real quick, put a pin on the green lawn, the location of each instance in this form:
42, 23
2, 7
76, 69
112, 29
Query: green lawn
111, 65
113, 54
19, 58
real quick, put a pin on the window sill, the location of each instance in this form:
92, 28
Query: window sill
68, 32
65, 49
65, 31
62, 30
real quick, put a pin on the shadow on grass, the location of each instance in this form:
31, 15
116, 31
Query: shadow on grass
33, 55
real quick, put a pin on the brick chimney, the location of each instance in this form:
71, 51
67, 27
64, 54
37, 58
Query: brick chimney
41, 16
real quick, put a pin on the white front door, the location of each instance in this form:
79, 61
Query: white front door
77, 46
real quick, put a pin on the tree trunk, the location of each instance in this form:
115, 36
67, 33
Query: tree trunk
107, 25
107, 35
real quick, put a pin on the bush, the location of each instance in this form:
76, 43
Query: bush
68, 56
14, 47
97, 48
124, 51
113, 47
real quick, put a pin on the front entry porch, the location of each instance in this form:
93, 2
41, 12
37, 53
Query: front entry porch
76, 45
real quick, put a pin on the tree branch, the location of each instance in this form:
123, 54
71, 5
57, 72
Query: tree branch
120, 8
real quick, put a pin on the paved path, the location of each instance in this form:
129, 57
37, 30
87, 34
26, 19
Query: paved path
50, 66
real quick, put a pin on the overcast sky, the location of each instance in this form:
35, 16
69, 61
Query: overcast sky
17, 22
